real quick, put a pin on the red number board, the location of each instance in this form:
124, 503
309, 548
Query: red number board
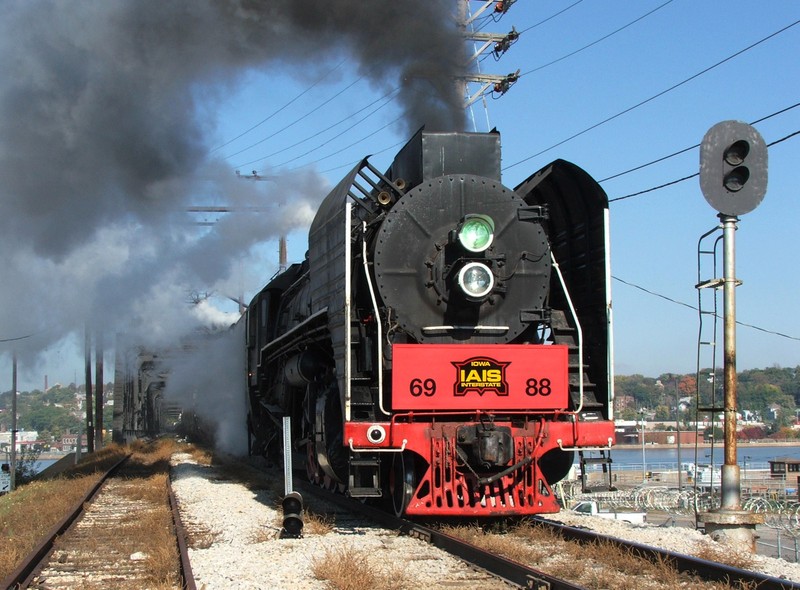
467, 376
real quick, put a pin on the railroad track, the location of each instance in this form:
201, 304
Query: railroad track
525, 576
496, 566
702, 568
103, 541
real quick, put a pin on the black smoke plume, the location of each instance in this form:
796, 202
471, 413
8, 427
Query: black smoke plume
103, 142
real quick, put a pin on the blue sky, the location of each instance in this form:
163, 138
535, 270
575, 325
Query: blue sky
584, 71
654, 236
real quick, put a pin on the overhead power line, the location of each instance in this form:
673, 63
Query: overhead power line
593, 43
697, 145
694, 308
551, 17
296, 121
386, 99
666, 184
276, 112
655, 96
15, 339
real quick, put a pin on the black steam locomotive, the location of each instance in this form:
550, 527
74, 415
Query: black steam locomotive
446, 342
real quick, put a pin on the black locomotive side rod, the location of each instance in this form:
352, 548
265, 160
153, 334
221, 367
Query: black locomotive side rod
507, 569
708, 570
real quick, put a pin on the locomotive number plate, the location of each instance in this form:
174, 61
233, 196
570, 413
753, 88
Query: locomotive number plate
466, 377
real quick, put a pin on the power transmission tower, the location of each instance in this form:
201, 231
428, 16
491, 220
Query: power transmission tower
282, 240
476, 84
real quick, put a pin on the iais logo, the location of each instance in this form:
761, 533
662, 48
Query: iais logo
481, 374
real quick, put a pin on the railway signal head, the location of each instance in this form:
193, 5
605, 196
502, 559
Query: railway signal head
292, 516
733, 167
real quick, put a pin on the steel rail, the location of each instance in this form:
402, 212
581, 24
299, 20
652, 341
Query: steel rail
187, 577
526, 577
708, 570
23, 575
501, 567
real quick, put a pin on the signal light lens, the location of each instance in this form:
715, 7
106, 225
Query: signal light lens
476, 280
476, 232
736, 179
736, 153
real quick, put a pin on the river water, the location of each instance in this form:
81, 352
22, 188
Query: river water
659, 457
666, 458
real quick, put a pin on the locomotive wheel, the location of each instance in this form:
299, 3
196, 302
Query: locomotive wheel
402, 482
312, 467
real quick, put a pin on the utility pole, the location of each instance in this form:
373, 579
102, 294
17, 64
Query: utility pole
256, 177
282, 258
88, 373
13, 456
99, 346
476, 84
678, 428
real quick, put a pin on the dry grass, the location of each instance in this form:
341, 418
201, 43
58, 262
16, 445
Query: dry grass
345, 568
317, 524
499, 544
153, 532
313, 524
202, 456
152, 489
31, 511
200, 536
726, 555
597, 565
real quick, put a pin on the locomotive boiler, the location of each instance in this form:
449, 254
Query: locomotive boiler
445, 345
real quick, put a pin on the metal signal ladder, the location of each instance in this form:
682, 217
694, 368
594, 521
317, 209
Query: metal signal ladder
708, 312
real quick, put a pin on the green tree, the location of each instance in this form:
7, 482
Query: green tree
662, 413
769, 401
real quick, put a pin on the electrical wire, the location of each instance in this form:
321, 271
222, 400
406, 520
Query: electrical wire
16, 339
356, 142
655, 96
549, 18
611, 34
387, 98
487, 19
601, 39
694, 308
274, 113
296, 121
679, 152
655, 188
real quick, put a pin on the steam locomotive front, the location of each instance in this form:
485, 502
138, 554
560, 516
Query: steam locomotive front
462, 267
462, 258
451, 364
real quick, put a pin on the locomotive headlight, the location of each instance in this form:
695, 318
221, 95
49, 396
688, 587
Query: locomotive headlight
476, 232
476, 280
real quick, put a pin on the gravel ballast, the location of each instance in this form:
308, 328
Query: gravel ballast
242, 548
245, 551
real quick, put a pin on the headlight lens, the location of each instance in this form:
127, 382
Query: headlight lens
476, 232
476, 280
